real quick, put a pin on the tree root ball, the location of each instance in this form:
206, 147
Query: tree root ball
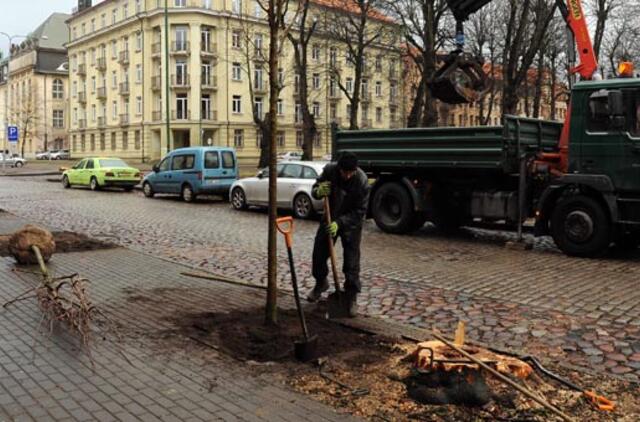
21, 241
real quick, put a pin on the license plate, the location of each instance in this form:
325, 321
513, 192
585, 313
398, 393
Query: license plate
212, 181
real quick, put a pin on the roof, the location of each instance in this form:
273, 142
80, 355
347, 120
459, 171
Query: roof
352, 7
53, 33
608, 84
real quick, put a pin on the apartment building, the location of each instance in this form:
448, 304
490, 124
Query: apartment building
34, 88
217, 77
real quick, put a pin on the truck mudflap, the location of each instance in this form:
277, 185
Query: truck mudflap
597, 185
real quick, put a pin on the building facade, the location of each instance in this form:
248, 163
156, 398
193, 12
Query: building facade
34, 89
217, 78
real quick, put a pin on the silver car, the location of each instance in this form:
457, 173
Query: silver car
12, 161
295, 181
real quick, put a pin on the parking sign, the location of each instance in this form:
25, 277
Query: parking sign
12, 134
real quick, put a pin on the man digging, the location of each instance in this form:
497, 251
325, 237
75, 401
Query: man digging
347, 187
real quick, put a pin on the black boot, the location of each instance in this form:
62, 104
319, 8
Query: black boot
352, 300
315, 294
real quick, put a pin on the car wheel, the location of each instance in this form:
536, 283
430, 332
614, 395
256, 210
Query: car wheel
302, 206
239, 199
580, 226
93, 184
65, 182
187, 194
19, 164
148, 190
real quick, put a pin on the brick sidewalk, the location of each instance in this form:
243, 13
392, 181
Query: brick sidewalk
50, 379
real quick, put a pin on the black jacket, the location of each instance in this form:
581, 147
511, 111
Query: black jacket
349, 198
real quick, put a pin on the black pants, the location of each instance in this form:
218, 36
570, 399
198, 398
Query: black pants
351, 260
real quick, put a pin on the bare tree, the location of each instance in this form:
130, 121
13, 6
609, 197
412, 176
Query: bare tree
358, 25
300, 38
26, 115
603, 10
621, 42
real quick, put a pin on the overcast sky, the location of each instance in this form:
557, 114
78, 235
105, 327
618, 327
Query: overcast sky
19, 17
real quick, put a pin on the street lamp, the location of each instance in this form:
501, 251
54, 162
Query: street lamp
10, 38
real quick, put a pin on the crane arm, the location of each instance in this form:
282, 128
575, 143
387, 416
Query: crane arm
574, 16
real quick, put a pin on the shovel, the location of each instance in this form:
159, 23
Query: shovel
305, 349
338, 304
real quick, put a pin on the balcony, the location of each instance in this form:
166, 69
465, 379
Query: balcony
102, 122
156, 49
208, 49
156, 116
365, 123
102, 93
180, 81
180, 115
261, 89
335, 95
210, 115
181, 48
259, 56
123, 59
365, 97
209, 83
156, 83
366, 70
393, 74
393, 99
101, 64
82, 123
124, 120
124, 88
82, 97
82, 69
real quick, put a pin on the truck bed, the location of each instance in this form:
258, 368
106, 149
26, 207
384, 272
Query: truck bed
492, 148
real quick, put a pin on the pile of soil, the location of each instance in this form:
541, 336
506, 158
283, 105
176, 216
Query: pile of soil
364, 374
65, 242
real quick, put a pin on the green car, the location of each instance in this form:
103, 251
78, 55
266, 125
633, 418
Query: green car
98, 173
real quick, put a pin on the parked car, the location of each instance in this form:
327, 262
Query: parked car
62, 154
101, 172
190, 172
290, 156
12, 160
43, 155
295, 181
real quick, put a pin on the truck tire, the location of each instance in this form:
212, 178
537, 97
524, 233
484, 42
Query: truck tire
580, 226
392, 209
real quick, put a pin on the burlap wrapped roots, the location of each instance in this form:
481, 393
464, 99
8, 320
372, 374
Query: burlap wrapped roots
21, 241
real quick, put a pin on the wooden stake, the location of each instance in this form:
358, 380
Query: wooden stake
459, 341
504, 379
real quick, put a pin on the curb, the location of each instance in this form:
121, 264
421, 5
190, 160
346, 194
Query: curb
50, 173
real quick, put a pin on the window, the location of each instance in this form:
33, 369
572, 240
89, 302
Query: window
298, 113
280, 107
74, 146
58, 119
103, 142
236, 6
257, 10
139, 41
236, 104
125, 140
94, 114
114, 80
83, 144
258, 78
89, 164
228, 160
280, 77
315, 52
259, 106
257, 44
333, 111
114, 16
182, 111
139, 106
114, 110
309, 173
211, 160
333, 56
206, 73
291, 171
93, 84
165, 164
113, 141
236, 72
205, 107
205, 38
296, 83
83, 31
236, 39
139, 73
181, 35
378, 63
138, 6
238, 138
598, 112
179, 3
280, 139
316, 81
58, 89
114, 49
103, 20
75, 116
183, 162
93, 148
348, 111
378, 89
259, 138
349, 85
125, 11
299, 138
317, 140
378, 114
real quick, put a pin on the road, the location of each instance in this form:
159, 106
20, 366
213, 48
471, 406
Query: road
584, 311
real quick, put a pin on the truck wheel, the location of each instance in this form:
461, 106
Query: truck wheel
580, 226
393, 209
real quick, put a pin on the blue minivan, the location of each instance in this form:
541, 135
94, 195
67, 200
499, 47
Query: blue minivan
190, 172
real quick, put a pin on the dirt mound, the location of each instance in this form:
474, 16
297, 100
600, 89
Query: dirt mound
65, 242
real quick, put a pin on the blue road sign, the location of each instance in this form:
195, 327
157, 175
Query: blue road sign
12, 133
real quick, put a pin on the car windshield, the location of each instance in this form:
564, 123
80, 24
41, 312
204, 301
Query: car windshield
113, 162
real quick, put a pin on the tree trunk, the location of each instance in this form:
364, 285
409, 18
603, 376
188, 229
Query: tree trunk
430, 116
537, 99
416, 109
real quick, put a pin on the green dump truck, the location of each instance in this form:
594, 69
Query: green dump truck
580, 181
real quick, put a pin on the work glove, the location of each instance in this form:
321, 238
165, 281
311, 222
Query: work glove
332, 229
323, 189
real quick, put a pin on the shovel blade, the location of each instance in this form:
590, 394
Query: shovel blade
338, 306
307, 349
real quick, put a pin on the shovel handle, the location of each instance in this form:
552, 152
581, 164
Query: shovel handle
332, 250
285, 226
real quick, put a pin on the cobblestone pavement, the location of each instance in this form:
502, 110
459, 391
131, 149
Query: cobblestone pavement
584, 311
48, 378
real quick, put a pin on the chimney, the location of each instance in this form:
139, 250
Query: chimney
83, 4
